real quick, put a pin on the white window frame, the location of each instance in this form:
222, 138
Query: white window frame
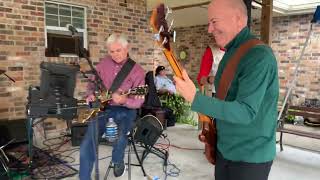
65, 30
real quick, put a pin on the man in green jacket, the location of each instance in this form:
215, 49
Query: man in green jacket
246, 119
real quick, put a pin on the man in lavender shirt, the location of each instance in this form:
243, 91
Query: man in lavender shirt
122, 108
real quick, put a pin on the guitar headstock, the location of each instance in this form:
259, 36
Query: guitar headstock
160, 27
163, 34
139, 91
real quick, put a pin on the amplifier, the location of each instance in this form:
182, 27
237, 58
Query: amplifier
78, 130
53, 106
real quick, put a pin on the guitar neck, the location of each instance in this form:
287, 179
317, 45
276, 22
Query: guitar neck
122, 94
176, 67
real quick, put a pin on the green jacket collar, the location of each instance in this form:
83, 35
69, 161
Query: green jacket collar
241, 37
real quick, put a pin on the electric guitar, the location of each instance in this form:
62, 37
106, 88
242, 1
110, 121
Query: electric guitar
105, 98
162, 35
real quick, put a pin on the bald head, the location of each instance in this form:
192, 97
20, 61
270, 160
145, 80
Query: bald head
226, 19
232, 6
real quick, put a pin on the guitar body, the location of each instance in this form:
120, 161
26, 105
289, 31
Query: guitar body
139, 91
208, 136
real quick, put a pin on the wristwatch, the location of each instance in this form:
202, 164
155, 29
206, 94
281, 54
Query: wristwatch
208, 80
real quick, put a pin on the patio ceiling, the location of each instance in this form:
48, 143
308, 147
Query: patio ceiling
194, 12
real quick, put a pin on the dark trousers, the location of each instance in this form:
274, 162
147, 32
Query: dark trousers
124, 118
231, 170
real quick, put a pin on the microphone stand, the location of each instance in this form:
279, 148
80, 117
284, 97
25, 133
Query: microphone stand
99, 87
4, 73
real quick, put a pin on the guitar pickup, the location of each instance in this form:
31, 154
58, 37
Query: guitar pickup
84, 104
94, 104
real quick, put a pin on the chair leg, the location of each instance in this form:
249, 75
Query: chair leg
281, 147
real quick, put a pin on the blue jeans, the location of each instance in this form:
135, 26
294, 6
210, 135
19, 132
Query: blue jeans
124, 118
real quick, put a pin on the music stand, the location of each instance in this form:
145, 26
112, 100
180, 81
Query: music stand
3, 157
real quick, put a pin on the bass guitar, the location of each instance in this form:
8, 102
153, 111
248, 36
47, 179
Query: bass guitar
163, 35
208, 134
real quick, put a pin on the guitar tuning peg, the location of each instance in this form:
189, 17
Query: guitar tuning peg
165, 40
169, 11
157, 36
169, 29
161, 29
174, 36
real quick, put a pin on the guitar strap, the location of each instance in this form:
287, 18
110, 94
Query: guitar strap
231, 68
123, 73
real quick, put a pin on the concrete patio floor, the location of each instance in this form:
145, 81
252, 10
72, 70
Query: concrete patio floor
185, 152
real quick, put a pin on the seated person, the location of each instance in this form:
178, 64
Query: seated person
163, 83
152, 102
122, 108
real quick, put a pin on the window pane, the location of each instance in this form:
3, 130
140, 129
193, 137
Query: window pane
51, 8
64, 21
78, 22
52, 20
65, 10
76, 25
77, 12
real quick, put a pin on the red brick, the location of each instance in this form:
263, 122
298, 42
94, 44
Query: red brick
23, 53
7, 10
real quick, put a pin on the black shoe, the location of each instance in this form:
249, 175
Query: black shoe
119, 169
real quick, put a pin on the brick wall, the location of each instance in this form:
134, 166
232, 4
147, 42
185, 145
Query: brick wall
195, 39
288, 37
22, 43
22, 46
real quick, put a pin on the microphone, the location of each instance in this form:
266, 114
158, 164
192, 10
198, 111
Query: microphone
72, 29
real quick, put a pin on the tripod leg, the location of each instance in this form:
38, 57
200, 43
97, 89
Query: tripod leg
281, 147
4, 164
108, 171
140, 162
129, 161
30, 139
96, 140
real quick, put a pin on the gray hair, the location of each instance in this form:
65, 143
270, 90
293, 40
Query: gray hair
120, 38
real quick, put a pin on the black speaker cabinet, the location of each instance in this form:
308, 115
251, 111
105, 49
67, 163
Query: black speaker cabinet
13, 129
78, 130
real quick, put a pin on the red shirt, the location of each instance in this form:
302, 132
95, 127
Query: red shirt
206, 64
